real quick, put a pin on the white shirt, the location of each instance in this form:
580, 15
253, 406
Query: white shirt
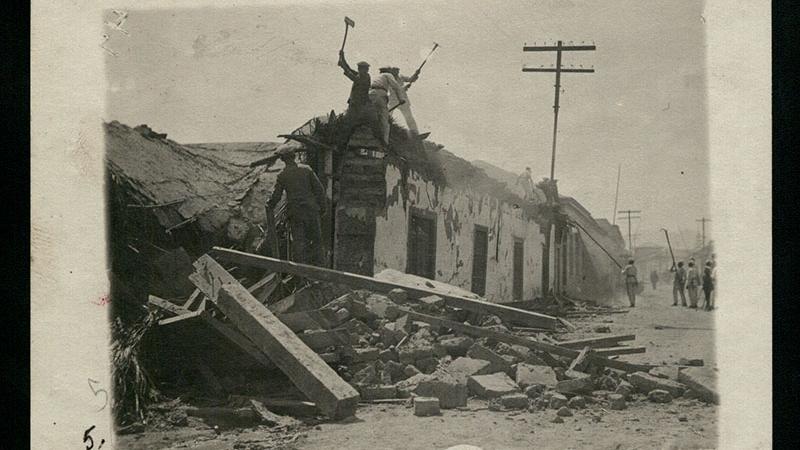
389, 83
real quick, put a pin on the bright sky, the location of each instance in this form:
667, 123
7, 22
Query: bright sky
250, 73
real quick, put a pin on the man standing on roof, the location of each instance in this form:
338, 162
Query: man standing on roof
525, 180
305, 202
401, 98
381, 88
359, 107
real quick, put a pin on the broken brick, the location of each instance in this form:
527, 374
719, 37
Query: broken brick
491, 386
426, 406
528, 375
645, 383
702, 381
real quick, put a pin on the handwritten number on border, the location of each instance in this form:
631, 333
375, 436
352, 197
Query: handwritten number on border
98, 391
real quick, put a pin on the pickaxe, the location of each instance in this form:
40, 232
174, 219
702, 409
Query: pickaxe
666, 233
348, 22
416, 73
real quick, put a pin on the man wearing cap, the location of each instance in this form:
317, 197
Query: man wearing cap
359, 108
305, 202
381, 88
401, 98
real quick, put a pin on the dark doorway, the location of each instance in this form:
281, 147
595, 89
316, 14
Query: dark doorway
519, 264
480, 253
422, 244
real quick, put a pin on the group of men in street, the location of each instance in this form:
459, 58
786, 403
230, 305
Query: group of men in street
690, 281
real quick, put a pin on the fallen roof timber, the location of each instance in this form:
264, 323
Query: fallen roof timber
364, 282
332, 395
597, 342
530, 343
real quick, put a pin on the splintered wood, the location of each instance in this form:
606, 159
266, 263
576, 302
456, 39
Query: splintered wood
307, 370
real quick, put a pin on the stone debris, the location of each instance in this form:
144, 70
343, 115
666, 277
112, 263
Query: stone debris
464, 367
564, 412
659, 396
645, 383
616, 402
580, 385
426, 406
528, 374
577, 402
624, 389
557, 401
514, 401
702, 381
498, 362
450, 391
491, 386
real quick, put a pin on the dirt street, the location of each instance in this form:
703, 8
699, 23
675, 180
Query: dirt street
669, 333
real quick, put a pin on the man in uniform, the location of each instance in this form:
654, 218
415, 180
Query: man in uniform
525, 180
359, 108
305, 202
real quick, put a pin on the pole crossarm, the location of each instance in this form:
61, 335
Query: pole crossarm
553, 48
554, 70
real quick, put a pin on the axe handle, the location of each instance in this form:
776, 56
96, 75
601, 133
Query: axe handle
346, 27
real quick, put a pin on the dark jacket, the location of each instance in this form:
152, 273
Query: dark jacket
304, 191
359, 93
708, 282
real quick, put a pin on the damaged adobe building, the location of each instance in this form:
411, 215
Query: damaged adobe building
431, 214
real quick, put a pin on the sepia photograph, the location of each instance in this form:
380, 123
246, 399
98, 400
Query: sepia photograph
455, 225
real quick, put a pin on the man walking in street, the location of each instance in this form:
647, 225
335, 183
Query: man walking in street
305, 202
631, 282
692, 284
678, 285
654, 279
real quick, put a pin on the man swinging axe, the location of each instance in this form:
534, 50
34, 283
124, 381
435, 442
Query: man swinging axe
359, 108
401, 99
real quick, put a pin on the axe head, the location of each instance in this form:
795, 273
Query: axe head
350, 22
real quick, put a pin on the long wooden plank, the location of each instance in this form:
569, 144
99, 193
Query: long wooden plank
239, 339
620, 350
166, 305
332, 395
597, 342
528, 318
530, 343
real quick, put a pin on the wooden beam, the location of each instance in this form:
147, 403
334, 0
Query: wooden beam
191, 299
240, 340
530, 343
332, 395
581, 361
166, 305
182, 317
598, 342
620, 350
527, 318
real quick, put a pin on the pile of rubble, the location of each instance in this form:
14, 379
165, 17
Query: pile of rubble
388, 342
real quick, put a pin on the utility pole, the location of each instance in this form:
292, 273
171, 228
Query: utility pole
616, 197
703, 221
558, 70
628, 212
553, 197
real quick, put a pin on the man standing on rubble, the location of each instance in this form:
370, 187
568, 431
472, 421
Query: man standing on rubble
305, 202
359, 108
